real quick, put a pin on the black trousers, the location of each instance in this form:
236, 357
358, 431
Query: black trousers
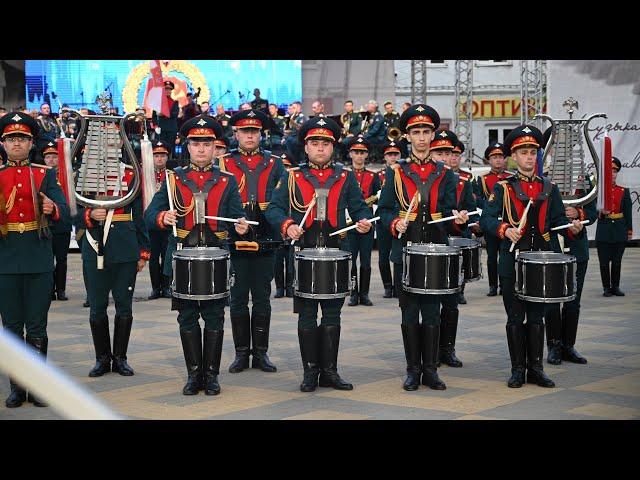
159, 241
284, 261
610, 252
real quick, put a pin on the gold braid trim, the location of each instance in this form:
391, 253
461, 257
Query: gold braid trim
485, 189
397, 180
11, 200
181, 210
223, 168
506, 204
403, 213
297, 206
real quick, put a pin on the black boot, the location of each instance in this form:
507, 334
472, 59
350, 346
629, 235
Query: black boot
241, 329
156, 280
211, 360
430, 347
553, 324
569, 333
412, 339
309, 340
121, 333
166, 286
516, 340
606, 280
61, 281
40, 344
155, 294
192, 350
278, 276
493, 279
279, 293
289, 292
353, 299
260, 338
385, 275
535, 348
615, 280
461, 299
448, 333
86, 302
102, 345
17, 396
329, 344
365, 281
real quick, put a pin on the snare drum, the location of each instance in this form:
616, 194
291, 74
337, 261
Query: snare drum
431, 269
322, 273
471, 264
546, 277
200, 273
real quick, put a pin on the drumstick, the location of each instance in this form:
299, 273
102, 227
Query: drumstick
306, 214
523, 221
453, 217
568, 225
169, 194
475, 224
406, 217
233, 220
346, 229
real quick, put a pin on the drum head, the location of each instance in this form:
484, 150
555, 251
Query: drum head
545, 257
201, 253
463, 242
322, 254
430, 249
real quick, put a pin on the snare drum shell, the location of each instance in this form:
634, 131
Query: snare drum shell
541, 282
200, 278
433, 274
471, 257
322, 274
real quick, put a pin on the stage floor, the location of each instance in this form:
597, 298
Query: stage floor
371, 356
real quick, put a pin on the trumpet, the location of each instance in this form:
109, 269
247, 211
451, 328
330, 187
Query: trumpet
394, 134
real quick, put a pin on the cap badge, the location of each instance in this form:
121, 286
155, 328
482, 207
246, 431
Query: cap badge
420, 109
526, 130
444, 134
322, 122
251, 114
16, 118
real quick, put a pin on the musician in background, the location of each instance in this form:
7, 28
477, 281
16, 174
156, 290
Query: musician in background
292, 147
26, 253
442, 146
374, 130
351, 127
223, 119
317, 108
204, 108
391, 153
258, 103
405, 105
202, 358
501, 215
160, 283
369, 184
391, 117
274, 142
614, 229
48, 124
126, 251
168, 125
437, 191
190, 110
293, 193
494, 154
256, 173
61, 231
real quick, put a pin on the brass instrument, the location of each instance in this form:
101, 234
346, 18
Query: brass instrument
394, 134
345, 119
366, 116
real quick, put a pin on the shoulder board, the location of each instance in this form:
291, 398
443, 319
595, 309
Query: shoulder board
37, 165
339, 165
509, 172
294, 168
276, 157
227, 174
224, 155
503, 182
348, 169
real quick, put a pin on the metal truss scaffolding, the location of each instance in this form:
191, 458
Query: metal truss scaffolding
533, 90
463, 121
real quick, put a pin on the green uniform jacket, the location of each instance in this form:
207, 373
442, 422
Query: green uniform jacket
467, 202
389, 206
65, 224
25, 252
355, 124
616, 230
579, 246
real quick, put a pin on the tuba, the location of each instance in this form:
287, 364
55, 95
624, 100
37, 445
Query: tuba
564, 156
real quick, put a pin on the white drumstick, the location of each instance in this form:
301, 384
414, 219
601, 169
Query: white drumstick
346, 229
568, 225
453, 217
475, 224
406, 217
523, 221
170, 195
306, 214
232, 220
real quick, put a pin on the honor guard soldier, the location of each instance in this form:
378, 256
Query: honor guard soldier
160, 283
30, 198
3, 155
126, 251
509, 200
614, 229
335, 190
440, 150
483, 188
223, 119
284, 257
200, 186
274, 140
61, 231
433, 186
168, 125
220, 148
391, 152
362, 244
257, 173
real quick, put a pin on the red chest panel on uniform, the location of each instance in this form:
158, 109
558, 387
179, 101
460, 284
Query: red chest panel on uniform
381, 176
22, 210
307, 190
423, 171
213, 198
160, 176
365, 180
531, 189
618, 195
252, 162
459, 188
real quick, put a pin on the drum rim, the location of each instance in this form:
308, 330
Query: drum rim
213, 296
221, 254
523, 258
475, 246
529, 298
431, 291
342, 255
454, 253
321, 296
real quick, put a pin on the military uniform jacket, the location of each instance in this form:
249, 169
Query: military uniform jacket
579, 246
170, 123
25, 252
483, 186
437, 195
509, 200
256, 175
369, 184
377, 131
295, 191
465, 200
223, 120
128, 239
222, 200
617, 226
65, 224
355, 123
391, 119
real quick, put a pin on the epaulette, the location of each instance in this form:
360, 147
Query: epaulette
348, 169
37, 165
223, 172
294, 168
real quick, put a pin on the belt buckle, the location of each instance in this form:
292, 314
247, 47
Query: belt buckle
21, 227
